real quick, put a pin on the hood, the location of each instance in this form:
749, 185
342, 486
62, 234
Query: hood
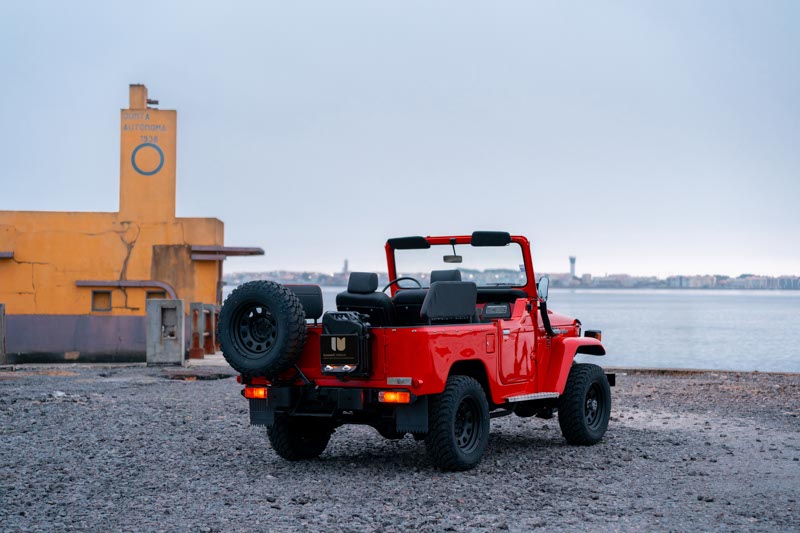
559, 320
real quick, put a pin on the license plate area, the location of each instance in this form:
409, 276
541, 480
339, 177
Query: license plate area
340, 353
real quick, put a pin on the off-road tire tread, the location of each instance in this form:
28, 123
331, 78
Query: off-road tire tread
295, 334
438, 439
570, 410
284, 437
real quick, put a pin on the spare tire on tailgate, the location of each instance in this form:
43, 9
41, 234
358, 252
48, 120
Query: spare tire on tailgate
262, 328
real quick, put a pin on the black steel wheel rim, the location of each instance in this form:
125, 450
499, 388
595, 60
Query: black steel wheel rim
467, 426
594, 406
254, 330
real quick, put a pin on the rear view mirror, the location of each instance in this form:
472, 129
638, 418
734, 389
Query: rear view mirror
543, 287
455, 258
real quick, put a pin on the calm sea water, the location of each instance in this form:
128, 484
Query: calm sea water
724, 330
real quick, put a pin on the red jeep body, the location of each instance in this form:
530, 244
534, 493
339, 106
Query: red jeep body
521, 362
515, 354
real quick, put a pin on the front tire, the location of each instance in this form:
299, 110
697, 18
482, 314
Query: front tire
296, 439
458, 425
585, 406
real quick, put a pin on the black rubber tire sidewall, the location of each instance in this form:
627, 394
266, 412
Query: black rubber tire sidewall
572, 405
297, 439
291, 328
440, 441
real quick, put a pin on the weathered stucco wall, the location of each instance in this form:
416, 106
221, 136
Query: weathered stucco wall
52, 251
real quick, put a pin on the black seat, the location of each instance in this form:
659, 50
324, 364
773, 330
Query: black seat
450, 302
408, 302
362, 298
310, 297
445, 275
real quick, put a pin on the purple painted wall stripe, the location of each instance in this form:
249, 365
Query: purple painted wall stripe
31, 338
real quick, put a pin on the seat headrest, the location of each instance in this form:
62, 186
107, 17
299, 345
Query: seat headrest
450, 300
362, 282
310, 297
445, 275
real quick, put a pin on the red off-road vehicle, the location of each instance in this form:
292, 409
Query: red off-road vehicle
438, 358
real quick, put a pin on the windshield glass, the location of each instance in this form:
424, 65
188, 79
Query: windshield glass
487, 266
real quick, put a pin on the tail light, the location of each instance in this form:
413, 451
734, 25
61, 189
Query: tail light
255, 393
389, 396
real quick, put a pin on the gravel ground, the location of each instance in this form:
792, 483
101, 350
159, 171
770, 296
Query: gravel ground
123, 448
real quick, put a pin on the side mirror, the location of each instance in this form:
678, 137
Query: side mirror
542, 288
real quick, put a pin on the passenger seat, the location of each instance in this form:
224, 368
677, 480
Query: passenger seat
362, 298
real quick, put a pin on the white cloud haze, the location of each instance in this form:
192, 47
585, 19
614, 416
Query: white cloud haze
648, 138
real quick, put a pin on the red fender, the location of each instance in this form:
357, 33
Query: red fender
561, 360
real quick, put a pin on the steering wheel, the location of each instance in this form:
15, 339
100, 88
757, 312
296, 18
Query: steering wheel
394, 281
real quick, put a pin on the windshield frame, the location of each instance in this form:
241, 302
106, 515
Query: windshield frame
522, 242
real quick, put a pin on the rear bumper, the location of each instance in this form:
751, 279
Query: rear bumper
340, 405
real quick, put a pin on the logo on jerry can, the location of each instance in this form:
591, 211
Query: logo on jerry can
338, 344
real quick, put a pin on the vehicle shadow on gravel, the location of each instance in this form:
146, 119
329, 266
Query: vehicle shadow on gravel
362, 449
503, 443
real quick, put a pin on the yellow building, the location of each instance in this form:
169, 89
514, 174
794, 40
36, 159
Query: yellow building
74, 285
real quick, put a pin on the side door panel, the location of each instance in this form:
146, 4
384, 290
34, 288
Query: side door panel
517, 351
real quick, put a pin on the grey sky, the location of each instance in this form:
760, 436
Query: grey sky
649, 138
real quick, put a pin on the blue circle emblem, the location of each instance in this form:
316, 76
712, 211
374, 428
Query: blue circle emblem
160, 159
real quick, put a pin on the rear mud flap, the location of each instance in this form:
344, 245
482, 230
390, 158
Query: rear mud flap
413, 418
261, 413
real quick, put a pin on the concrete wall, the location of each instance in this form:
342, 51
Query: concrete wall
3, 358
66, 338
52, 251
165, 332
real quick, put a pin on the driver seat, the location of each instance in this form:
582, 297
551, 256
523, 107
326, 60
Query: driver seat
450, 302
362, 298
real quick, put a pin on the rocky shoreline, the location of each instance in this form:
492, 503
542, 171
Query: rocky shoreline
101, 447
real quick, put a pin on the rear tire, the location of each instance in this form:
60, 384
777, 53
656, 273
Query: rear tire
458, 425
585, 406
262, 328
389, 434
297, 439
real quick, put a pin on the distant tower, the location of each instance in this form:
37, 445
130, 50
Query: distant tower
346, 269
572, 266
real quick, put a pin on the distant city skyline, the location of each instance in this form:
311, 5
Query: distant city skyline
744, 281
571, 269
644, 137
